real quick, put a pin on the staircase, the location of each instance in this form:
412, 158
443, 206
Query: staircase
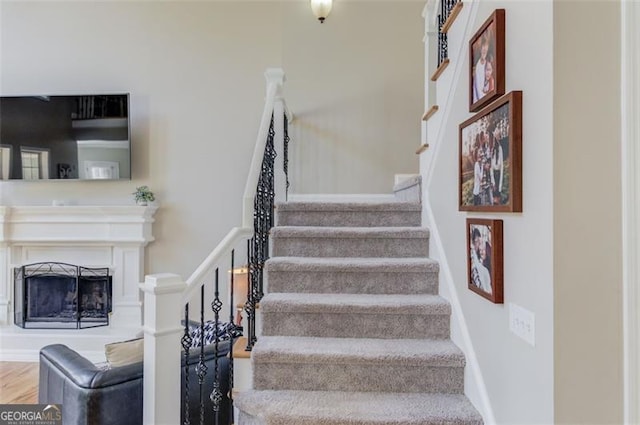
353, 331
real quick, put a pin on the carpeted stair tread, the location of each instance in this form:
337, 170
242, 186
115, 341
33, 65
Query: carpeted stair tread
397, 304
347, 265
408, 352
349, 232
348, 206
356, 408
353, 331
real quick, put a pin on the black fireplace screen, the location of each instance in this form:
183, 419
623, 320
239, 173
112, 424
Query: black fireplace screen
59, 295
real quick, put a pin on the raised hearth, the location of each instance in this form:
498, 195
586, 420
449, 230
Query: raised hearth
111, 237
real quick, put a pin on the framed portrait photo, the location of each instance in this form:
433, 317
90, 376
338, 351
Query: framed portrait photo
487, 62
490, 157
484, 258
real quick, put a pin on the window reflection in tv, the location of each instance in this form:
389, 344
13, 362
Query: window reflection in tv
85, 137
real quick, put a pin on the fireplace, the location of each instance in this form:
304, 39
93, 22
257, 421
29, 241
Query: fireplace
112, 237
61, 296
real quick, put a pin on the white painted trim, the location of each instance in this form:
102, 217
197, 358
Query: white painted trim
331, 197
630, 110
483, 404
225, 246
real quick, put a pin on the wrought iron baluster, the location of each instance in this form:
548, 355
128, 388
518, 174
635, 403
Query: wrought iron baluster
186, 345
216, 394
442, 41
439, 19
263, 220
233, 328
286, 157
250, 306
445, 47
202, 367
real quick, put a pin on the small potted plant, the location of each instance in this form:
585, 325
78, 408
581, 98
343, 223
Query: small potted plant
143, 195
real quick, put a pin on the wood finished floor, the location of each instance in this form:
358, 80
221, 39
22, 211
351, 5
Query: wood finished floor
18, 383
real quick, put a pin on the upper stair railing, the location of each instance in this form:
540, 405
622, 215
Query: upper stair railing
200, 391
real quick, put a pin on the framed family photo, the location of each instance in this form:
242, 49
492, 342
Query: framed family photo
490, 157
487, 62
484, 260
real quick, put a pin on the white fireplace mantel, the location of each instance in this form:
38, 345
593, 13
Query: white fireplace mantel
89, 236
71, 224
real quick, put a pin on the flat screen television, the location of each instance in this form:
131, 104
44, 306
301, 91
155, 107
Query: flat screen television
82, 137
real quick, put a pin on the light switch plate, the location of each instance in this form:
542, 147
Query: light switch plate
522, 323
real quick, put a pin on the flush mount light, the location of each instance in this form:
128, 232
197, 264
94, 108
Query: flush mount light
321, 8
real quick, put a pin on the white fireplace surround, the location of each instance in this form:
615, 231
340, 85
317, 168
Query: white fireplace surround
89, 236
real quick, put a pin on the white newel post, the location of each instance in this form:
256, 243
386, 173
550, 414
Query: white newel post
163, 310
276, 76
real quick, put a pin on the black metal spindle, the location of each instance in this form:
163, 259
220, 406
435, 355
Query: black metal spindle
442, 41
448, 5
445, 47
263, 216
216, 394
231, 337
202, 367
186, 345
250, 307
286, 157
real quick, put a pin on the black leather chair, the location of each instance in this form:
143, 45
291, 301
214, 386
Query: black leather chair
91, 396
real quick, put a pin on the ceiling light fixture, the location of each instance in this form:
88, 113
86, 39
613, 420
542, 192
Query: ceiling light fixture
321, 8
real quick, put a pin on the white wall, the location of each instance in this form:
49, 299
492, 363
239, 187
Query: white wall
562, 254
518, 377
195, 74
361, 123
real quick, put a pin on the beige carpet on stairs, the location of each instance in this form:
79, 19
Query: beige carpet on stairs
354, 331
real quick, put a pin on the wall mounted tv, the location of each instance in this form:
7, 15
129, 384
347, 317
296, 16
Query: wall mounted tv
85, 137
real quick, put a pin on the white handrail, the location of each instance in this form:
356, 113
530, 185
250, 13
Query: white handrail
225, 246
251, 186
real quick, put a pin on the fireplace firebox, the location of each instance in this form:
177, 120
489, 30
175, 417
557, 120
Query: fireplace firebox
61, 296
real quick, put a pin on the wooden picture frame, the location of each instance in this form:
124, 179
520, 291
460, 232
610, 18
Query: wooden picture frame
487, 62
490, 157
485, 258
